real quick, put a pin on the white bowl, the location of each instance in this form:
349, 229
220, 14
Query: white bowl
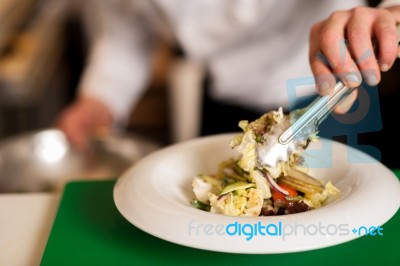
155, 196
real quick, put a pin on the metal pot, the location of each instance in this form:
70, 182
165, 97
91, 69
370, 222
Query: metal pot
44, 160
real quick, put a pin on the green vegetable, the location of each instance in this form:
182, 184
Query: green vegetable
200, 205
236, 186
297, 198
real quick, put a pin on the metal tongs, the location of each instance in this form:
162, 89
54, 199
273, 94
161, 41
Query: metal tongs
306, 123
313, 115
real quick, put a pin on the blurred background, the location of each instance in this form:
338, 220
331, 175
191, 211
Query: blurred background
43, 49
42, 53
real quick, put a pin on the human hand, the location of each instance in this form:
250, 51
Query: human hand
82, 119
331, 57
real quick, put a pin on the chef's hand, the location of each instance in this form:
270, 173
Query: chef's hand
81, 120
354, 59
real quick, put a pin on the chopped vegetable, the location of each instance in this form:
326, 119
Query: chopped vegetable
276, 194
245, 187
200, 205
236, 186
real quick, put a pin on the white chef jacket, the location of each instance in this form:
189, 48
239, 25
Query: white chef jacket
250, 47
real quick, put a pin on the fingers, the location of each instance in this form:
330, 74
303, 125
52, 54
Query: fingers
334, 47
346, 103
385, 32
82, 120
328, 38
74, 128
332, 58
359, 34
348, 61
324, 78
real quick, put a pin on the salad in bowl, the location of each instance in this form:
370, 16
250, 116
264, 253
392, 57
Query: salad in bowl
246, 186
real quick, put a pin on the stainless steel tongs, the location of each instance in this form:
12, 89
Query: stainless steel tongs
312, 116
303, 123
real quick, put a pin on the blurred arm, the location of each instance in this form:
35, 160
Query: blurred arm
119, 57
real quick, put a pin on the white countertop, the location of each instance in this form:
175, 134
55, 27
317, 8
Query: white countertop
25, 223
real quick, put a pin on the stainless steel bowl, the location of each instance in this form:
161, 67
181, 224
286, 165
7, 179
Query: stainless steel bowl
44, 160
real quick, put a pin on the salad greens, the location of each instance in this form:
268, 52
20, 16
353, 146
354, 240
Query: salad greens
245, 187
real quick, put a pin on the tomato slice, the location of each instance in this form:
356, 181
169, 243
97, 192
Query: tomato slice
277, 195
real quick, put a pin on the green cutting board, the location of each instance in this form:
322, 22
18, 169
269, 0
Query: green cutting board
89, 230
